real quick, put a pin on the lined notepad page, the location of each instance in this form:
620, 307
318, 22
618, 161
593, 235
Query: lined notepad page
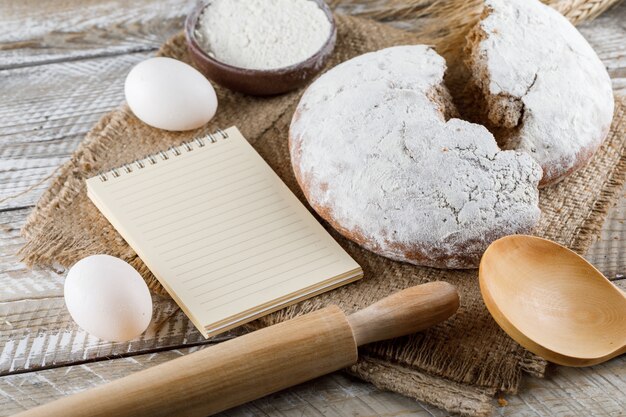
222, 233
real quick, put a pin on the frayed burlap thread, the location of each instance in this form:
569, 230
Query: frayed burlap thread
457, 365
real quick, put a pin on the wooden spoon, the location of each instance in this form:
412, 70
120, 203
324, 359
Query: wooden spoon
552, 301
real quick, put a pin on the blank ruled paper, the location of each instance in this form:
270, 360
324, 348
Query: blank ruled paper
221, 232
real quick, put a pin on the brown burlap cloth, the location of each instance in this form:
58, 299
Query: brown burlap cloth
457, 365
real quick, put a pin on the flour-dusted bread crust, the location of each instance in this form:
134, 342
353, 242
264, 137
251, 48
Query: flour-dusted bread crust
376, 157
546, 91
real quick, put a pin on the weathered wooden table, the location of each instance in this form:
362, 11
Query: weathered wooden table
62, 66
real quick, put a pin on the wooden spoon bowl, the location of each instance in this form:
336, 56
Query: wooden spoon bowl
552, 301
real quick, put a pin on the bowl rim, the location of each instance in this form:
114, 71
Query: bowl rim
192, 21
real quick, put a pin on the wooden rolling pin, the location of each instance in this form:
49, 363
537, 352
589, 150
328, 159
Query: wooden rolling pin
259, 363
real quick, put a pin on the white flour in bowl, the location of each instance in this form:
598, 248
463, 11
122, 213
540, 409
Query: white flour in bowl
262, 34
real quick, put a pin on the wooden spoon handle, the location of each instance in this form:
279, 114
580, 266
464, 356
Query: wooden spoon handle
259, 363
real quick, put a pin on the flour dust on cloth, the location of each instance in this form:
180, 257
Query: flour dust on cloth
456, 365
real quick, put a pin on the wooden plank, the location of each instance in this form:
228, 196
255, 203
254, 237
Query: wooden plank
27, 170
599, 391
46, 112
34, 32
608, 252
568, 392
17, 281
336, 395
40, 333
607, 35
51, 102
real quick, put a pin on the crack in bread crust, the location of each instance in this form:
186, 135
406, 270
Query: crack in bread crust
379, 154
532, 74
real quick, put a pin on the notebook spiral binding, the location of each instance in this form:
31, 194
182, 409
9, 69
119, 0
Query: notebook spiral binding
172, 152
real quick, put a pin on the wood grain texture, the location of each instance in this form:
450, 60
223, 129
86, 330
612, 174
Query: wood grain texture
39, 333
405, 312
17, 282
607, 253
68, 59
566, 392
596, 391
336, 395
46, 113
37, 33
607, 36
525, 280
227, 375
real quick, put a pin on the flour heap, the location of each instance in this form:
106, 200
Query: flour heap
262, 34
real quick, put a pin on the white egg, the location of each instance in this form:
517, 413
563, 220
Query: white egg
169, 94
108, 298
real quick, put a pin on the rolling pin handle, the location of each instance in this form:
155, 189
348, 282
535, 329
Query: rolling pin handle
405, 312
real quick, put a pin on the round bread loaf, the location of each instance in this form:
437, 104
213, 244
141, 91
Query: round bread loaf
378, 157
545, 90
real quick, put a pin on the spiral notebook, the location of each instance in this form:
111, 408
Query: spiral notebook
220, 231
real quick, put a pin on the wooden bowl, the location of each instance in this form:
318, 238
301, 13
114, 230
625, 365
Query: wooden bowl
256, 81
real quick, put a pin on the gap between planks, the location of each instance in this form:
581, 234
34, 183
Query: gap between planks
335, 395
599, 388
